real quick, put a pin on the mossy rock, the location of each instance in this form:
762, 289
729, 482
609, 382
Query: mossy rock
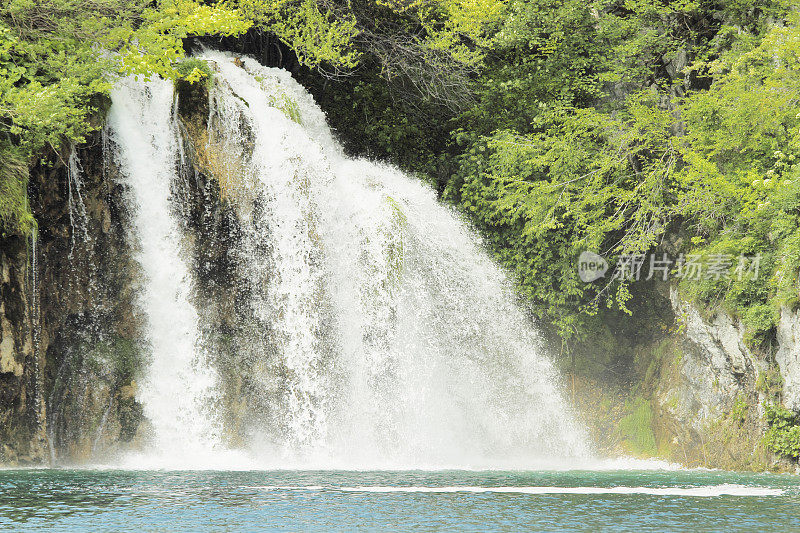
636, 429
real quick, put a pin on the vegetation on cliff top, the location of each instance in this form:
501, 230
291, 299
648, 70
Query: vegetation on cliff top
56, 62
711, 170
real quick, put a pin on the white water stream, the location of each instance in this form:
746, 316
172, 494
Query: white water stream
179, 387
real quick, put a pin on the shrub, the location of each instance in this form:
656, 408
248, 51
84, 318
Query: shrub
783, 433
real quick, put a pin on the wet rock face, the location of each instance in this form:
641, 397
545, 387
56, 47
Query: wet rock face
229, 332
12, 359
715, 368
788, 356
67, 319
20, 436
719, 368
710, 395
71, 344
89, 322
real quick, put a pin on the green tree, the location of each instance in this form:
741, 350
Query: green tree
57, 60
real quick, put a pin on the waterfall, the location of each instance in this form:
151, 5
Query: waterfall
394, 339
179, 386
376, 330
78, 218
36, 332
281, 258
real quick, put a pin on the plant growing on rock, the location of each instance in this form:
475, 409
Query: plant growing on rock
783, 433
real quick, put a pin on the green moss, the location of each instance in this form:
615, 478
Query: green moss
733, 441
130, 414
120, 356
659, 354
15, 212
770, 383
672, 403
760, 320
636, 428
287, 106
396, 249
739, 411
280, 100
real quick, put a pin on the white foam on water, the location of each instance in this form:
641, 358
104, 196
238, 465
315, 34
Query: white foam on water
707, 491
629, 463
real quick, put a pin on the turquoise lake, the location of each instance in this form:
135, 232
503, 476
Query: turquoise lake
115, 500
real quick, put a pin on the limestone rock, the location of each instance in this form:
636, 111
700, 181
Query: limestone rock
714, 370
788, 356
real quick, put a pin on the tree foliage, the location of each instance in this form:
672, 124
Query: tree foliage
602, 165
619, 127
58, 59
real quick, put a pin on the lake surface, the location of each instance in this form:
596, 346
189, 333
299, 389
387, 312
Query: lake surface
619, 500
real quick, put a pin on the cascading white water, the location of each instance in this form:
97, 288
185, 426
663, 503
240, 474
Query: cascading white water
179, 387
397, 338
78, 218
281, 261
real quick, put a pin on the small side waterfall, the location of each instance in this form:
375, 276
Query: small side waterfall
179, 387
36, 332
78, 218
